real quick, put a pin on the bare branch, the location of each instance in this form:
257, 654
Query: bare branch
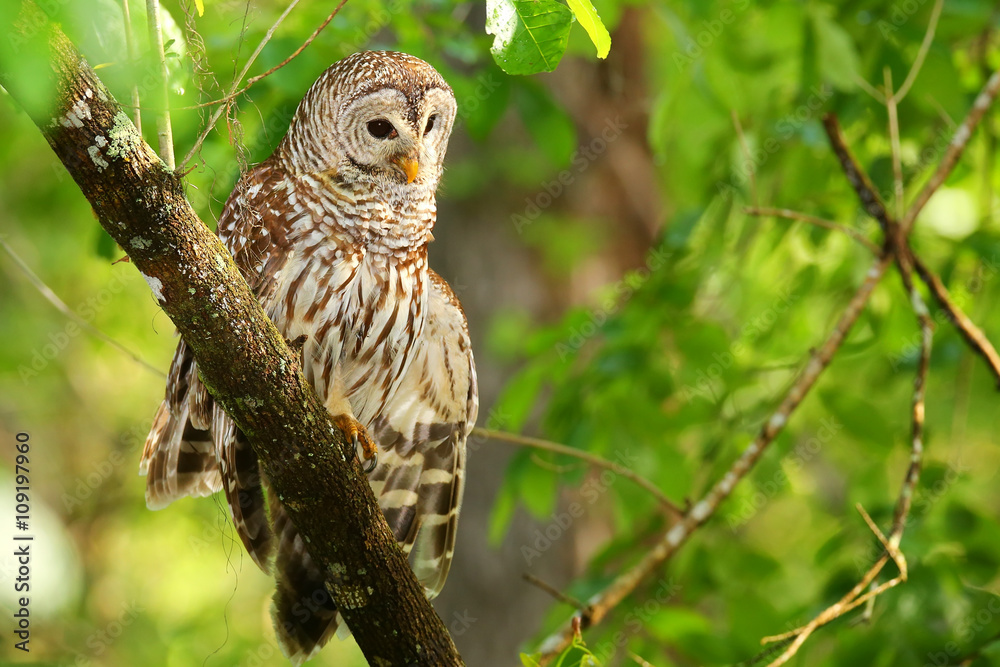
164, 133
235, 91
593, 459
214, 118
856, 176
552, 590
972, 334
309, 40
813, 220
133, 58
918, 62
955, 149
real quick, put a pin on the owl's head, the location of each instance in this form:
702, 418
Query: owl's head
376, 118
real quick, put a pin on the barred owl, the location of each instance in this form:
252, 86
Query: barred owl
331, 234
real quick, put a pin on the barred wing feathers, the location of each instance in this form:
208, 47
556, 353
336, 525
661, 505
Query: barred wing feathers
419, 481
422, 433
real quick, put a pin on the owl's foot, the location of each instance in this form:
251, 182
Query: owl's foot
358, 435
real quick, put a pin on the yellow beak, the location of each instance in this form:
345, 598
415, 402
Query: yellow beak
409, 165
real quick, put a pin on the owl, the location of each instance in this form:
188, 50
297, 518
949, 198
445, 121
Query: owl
331, 234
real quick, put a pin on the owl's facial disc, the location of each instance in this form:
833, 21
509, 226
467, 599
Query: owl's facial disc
394, 139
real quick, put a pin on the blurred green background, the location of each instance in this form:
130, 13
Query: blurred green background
620, 301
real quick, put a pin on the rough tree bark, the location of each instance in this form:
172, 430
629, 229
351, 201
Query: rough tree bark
244, 361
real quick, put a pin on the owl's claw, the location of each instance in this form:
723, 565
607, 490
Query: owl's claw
371, 463
352, 428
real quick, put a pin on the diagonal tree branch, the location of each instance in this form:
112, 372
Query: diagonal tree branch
244, 361
604, 602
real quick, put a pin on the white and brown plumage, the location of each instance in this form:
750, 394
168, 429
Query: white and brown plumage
331, 233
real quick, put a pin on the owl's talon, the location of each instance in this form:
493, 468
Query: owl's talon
364, 447
371, 464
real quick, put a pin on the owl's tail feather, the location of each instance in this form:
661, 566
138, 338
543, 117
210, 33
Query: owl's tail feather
304, 615
243, 485
178, 458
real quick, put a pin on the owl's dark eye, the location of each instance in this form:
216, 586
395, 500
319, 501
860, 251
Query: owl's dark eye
381, 129
430, 123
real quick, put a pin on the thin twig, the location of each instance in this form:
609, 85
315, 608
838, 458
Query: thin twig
856, 176
869, 88
918, 404
925, 46
746, 155
552, 467
639, 660
954, 152
133, 58
61, 306
214, 118
164, 133
254, 79
552, 590
918, 62
593, 459
972, 334
897, 161
235, 91
852, 600
813, 220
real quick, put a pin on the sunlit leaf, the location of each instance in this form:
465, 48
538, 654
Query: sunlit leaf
585, 13
529, 36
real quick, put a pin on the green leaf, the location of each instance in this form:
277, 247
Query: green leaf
200, 6
519, 397
529, 36
502, 514
585, 13
530, 660
836, 56
547, 123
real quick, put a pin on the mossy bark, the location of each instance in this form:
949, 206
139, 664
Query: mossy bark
244, 361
